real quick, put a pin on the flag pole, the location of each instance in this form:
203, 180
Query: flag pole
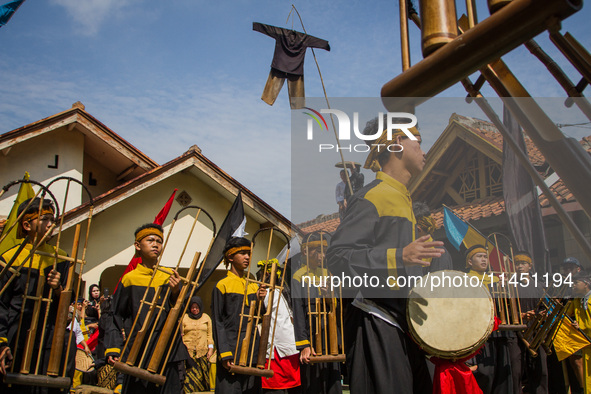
568, 222
293, 7
465, 221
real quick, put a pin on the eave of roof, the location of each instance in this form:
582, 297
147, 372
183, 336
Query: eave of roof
190, 158
71, 116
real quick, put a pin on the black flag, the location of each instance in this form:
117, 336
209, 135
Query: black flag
233, 226
521, 201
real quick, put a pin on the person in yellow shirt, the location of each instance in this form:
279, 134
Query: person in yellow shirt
227, 306
198, 337
477, 264
144, 284
580, 311
39, 273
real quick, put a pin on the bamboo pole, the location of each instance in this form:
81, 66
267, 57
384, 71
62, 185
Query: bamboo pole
327, 103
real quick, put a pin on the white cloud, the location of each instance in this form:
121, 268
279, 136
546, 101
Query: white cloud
234, 128
89, 15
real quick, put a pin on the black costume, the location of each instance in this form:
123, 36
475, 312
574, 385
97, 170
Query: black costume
320, 377
226, 306
125, 307
378, 224
11, 304
288, 62
534, 370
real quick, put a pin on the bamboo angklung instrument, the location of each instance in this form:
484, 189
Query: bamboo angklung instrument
246, 363
506, 85
34, 343
57, 344
323, 319
542, 329
266, 320
439, 24
151, 364
505, 295
478, 51
574, 52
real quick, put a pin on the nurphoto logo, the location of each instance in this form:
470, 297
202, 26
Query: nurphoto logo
395, 121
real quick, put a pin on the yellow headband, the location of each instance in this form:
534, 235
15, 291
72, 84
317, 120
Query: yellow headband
523, 257
235, 250
146, 232
380, 144
473, 252
34, 215
427, 223
315, 244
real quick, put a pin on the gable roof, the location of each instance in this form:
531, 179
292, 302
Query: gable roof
463, 138
101, 143
194, 162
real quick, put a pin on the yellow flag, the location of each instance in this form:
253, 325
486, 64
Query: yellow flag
9, 238
472, 238
568, 340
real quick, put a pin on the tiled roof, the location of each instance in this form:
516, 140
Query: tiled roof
477, 209
472, 211
489, 132
328, 223
561, 193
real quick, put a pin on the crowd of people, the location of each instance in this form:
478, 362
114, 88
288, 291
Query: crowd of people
382, 234
104, 328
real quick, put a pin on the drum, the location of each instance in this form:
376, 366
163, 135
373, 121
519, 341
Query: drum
450, 316
84, 362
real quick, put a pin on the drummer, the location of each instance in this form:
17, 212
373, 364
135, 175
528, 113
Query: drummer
493, 372
376, 237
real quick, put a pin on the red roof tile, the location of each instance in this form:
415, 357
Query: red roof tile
489, 132
328, 223
475, 210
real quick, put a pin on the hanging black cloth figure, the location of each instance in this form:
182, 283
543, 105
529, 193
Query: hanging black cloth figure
288, 62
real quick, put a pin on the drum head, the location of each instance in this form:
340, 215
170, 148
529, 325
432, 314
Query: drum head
450, 321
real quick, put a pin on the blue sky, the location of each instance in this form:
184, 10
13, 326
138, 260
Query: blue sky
167, 75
